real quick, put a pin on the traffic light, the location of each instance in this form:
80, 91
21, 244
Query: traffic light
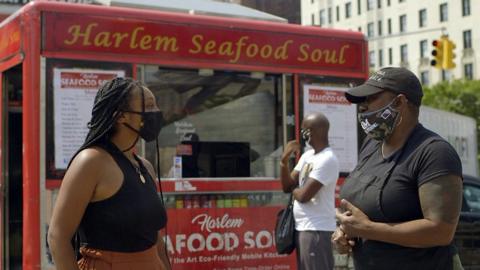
448, 55
443, 53
437, 53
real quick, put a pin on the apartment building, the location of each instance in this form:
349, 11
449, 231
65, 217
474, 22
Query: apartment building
400, 32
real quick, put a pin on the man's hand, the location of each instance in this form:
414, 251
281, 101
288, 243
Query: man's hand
341, 243
353, 221
291, 147
289, 179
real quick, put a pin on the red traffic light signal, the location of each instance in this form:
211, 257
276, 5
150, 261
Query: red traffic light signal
437, 53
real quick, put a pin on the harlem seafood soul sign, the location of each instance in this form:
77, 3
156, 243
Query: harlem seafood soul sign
229, 45
224, 238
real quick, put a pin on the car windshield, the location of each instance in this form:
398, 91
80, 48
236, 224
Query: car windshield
472, 196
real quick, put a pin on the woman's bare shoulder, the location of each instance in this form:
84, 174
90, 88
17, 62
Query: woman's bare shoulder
92, 155
93, 161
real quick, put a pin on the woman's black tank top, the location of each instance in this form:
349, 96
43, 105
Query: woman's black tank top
129, 220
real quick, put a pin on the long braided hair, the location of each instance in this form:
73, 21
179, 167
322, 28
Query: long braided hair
111, 99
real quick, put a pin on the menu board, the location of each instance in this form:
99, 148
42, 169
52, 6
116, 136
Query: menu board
74, 94
342, 116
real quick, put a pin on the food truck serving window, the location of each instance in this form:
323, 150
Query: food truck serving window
217, 123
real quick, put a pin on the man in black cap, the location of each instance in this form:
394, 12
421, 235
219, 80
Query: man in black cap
400, 205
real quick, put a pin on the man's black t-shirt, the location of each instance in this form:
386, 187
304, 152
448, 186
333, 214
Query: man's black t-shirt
424, 157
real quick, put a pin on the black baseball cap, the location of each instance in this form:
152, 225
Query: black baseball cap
394, 79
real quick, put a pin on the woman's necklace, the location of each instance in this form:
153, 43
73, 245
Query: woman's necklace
138, 170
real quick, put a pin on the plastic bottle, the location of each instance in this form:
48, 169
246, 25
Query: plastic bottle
228, 201
187, 201
243, 201
195, 201
236, 201
220, 201
179, 202
204, 203
170, 201
212, 201
251, 200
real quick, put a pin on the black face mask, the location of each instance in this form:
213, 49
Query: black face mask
152, 124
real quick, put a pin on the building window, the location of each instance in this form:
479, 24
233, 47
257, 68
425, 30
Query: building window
424, 78
370, 4
467, 39
403, 23
379, 3
444, 12
389, 26
380, 58
468, 71
401, 1
390, 56
380, 28
329, 15
422, 18
322, 17
370, 30
338, 13
423, 48
371, 57
359, 29
465, 7
348, 10
313, 1
388, 3
359, 7
403, 53
313, 19
447, 75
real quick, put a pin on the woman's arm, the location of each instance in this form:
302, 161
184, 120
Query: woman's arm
76, 191
162, 252
441, 201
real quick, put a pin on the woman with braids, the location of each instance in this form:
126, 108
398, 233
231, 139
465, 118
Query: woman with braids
108, 194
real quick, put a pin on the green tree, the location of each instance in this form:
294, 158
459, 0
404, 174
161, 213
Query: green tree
458, 96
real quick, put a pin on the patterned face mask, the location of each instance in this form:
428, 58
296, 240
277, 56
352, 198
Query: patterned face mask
379, 124
306, 136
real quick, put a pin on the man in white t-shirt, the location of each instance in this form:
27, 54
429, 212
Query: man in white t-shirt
312, 184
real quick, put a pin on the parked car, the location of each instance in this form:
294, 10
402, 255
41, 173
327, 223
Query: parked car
467, 236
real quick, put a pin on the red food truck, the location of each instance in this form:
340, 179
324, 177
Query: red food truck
233, 91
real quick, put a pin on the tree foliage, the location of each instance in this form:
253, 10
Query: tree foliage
458, 96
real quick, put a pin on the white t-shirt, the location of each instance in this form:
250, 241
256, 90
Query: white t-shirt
318, 214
